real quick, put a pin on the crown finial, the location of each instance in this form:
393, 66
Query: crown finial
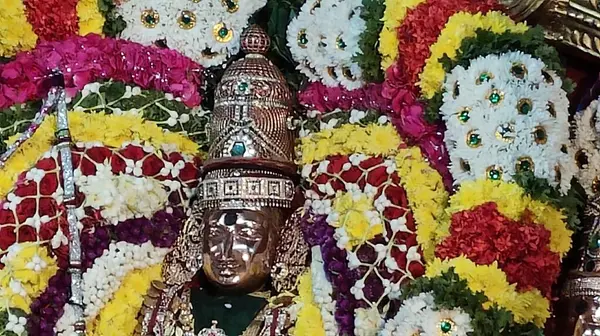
255, 41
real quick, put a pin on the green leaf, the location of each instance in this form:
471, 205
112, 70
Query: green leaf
369, 58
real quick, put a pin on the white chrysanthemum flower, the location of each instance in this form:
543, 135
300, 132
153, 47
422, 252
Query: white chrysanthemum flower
323, 292
16, 324
506, 114
367, 321
585, 150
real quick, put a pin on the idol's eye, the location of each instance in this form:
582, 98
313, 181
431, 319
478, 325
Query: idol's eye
187, 20
150, 18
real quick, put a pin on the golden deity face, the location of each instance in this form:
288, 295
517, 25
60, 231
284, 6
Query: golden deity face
239, 246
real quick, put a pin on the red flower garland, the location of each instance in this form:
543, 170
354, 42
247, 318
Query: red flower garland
420, 30
38, 199
52, 20
521, 248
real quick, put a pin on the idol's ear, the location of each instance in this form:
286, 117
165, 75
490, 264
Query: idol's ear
292, 256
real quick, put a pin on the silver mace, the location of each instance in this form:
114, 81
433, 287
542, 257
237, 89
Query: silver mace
63, 137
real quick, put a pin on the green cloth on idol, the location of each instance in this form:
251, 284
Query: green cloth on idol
234, 320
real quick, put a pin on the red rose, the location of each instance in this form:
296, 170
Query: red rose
397, 195
27, 233
117, 164
46, 164
26, 188
174, 157
189, 173
377, 176
371, 162
152, 165
416, 269
48, 230
352, 175
48, 207
6, 217
133, 152
49, 184
7, 236
98, 154
26, 209
87, 166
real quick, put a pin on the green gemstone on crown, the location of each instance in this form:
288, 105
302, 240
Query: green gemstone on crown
518, 70
243, 87
494, 174
525, 106
238, 149
302, 38
186, 19
474, 140
524, 165
484, 77
341, 44
231, 5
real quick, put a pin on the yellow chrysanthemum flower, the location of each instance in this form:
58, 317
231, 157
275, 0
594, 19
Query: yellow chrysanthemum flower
371, 140
513, 202
16, 34
460, 26
118, 317
352, 211
90, 18
309, 320
395, 12
27, 271
111, 130
526, 307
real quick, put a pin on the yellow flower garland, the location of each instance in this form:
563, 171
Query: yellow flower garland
460, 26
427, 198
16, 33
90, 18
118, 317
373, 139
395, 12
309, 321
18, 269
526, 307
513, 202
111, 130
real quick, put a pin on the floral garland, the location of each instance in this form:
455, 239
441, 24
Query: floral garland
119, 316
16, 33
359, 175
395, 12
207, 31
24, 78
24, 22
105, 277
513, 202
329, 62
118, 98
526, 307
309, 320
111, 130
27, 270
585, 149
460, 26
420, 29
523, 125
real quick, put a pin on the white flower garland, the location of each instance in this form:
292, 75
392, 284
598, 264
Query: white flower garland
419, 315
104, 278
324, 38
502, 103
122, 197
586, 147
323, 293
192, 40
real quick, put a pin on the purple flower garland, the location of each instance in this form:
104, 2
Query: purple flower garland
162, 230
83, 60
47, 309
318, 232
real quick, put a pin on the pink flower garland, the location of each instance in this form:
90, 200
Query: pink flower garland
400, 105
87, 59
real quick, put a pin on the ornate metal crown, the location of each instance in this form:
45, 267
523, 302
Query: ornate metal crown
250, 161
